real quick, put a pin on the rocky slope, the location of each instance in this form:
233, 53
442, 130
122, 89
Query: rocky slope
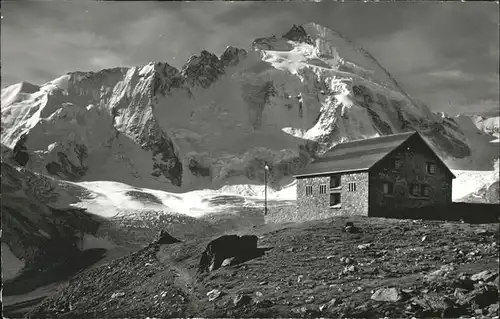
378, 268
42, 235
285, 100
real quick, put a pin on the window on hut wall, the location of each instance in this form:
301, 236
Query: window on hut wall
425, 190
352, 187
334, 181
309, 190
396, 163
388, 188
335, 200
414, 190
322, 189
431, 168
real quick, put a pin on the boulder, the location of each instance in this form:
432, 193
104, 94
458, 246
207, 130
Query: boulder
228, 262
214, 294
225, 247
388, 294
117, 295
242, 300
436, 305
364, 246
332, 303
350, 228
440, 273
485, 276
165, 238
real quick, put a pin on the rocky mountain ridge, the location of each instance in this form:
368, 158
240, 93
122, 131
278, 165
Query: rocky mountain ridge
285, 101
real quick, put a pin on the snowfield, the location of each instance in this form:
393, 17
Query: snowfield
112, 199
468, 182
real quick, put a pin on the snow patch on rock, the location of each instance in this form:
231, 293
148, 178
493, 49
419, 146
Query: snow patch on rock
11, 265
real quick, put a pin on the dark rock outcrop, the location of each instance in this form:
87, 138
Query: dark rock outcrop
202, 70
297, 33
241, 248
198, 169
20, 151
165, 238
232, 56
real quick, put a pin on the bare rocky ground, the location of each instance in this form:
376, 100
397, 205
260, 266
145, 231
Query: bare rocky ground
390, 268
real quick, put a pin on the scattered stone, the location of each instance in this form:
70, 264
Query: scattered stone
330, 257
364, 246
357, 289
242, 300
387, 294
117, 294
484, 232
259, 294
493, 309
290, 250
483, 297
423, 238
478, 311
333, 302
436, 303
262, 283
214, 294
485, 276
300, 310
310, 299
350, 228
300, 278
441, 272
495, 282
263, 303
228, 262
351, 268
309, 310
460, 294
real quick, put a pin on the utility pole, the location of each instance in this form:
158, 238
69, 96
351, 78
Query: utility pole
266, 168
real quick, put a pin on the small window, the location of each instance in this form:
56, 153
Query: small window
334, 199
322, 189
309, 190
396, 164
352, 187
431, 168
414, 190
388, 188
425, 190
334, 181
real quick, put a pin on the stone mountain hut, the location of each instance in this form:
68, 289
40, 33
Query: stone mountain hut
371, 176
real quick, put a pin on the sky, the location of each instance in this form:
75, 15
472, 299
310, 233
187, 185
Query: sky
443, 53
